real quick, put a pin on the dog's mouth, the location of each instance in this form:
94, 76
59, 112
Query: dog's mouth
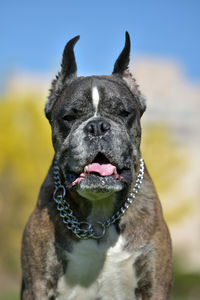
102, 174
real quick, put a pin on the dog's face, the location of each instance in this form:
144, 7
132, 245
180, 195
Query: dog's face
95, 126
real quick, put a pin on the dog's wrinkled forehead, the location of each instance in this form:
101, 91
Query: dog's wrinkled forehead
92, 93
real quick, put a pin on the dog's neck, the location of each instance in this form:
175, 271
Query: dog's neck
96, 209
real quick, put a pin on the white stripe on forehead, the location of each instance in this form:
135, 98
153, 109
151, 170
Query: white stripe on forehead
95, 98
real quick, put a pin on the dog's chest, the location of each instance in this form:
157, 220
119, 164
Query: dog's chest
98, 271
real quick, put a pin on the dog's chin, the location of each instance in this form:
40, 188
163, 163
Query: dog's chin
95, 187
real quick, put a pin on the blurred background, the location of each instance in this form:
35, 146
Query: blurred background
165, 62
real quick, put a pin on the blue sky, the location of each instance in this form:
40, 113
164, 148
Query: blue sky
34, 33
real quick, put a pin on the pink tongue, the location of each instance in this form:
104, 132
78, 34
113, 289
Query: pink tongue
103, 170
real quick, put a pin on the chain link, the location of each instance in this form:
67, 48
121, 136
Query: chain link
85, 230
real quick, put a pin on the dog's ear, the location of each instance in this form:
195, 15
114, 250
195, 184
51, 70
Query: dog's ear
65, 76
121, 70
68, 65
122, 62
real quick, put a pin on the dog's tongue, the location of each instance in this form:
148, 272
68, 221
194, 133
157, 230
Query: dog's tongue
103, 170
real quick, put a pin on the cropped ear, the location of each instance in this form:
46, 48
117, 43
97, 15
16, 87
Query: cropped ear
122, 62
68, 65
66, 75
121, 70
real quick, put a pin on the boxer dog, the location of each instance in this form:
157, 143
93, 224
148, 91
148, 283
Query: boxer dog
97, 231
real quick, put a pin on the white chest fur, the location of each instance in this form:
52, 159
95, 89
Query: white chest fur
103, 270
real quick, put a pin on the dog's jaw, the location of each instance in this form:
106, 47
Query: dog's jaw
95, 188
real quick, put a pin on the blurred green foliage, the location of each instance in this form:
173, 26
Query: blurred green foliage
186, 286
25, 155
9, 296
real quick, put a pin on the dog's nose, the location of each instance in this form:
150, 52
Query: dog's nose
97, 127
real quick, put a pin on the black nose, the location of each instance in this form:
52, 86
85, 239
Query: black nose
97, 127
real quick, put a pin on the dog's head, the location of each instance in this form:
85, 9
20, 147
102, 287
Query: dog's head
95, 125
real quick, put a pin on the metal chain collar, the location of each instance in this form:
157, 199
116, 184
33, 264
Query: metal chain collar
85, 230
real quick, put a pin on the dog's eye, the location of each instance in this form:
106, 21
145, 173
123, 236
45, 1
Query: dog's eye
70, 116
128, 115
124, 113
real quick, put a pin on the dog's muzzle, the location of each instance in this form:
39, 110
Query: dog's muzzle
100, 159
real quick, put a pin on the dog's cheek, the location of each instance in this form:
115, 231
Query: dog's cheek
79, 146
121, 145
135, 136
73, 152
57, 137
77, 141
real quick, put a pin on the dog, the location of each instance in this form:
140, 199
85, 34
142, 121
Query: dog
97, 231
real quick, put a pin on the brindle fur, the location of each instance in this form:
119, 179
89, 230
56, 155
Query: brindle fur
142, 228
